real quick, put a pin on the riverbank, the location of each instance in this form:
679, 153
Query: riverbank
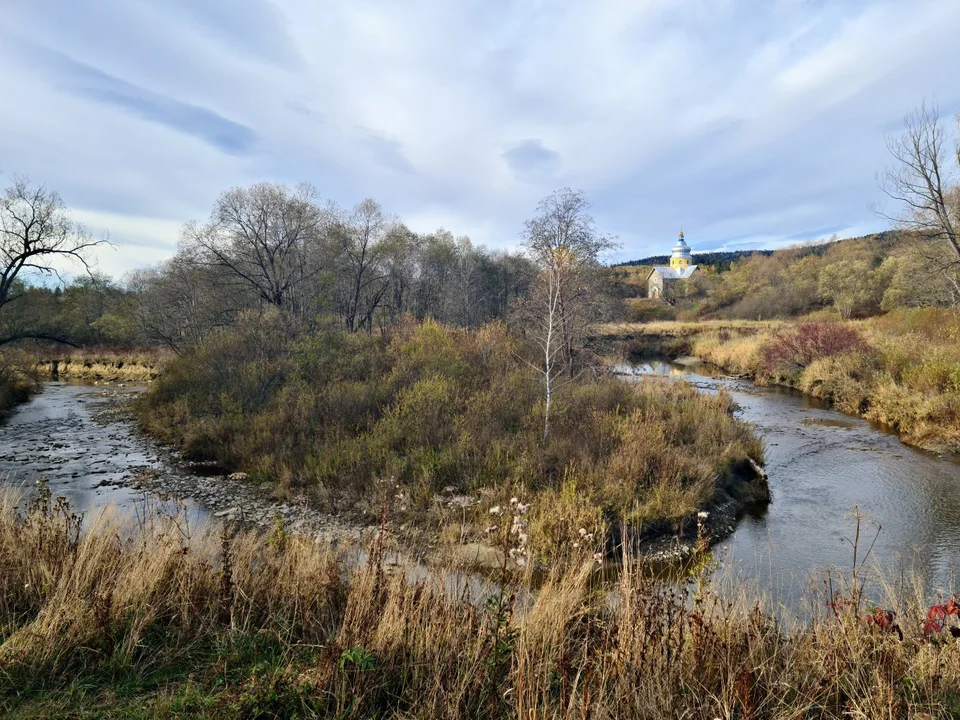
901, 370
100, 364
15, 388
17, 385
81, 439
146, 621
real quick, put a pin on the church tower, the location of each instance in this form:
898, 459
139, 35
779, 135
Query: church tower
681, 257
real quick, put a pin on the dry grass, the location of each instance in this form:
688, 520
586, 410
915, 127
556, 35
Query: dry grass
144, 621
114, 365
444, 411
907, 377
683, 329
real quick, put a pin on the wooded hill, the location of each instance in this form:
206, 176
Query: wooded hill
723, 259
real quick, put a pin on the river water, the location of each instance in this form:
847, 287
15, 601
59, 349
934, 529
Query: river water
821, 465
69, 437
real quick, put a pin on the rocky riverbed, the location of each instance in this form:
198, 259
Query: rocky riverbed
80, 441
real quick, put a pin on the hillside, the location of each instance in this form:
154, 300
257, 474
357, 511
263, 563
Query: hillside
719, 259
722, 259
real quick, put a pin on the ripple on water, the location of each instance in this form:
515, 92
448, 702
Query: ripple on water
822, 465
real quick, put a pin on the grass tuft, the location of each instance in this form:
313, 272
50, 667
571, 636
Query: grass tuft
144, 621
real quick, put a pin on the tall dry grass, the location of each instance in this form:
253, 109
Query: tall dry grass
904, 371
146, 620
111, 364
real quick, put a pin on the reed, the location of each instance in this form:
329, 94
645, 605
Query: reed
106, 364
149, 620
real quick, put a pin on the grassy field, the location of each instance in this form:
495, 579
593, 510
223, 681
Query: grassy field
148, 620
901, 369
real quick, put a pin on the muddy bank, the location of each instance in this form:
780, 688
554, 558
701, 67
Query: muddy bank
744, 489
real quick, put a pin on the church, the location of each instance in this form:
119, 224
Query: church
662, 279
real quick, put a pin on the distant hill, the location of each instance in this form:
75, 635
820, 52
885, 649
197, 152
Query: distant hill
719, 259
722, 260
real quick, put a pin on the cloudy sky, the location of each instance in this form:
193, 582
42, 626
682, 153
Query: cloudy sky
751, 124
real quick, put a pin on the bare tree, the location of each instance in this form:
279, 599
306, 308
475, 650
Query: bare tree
180, 303
263, 237
924, 182
400, 267
363, 280
562, 240
35, 232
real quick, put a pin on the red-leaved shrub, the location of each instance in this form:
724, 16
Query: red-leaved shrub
793, 349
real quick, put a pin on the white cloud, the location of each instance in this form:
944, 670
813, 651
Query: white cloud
737, 120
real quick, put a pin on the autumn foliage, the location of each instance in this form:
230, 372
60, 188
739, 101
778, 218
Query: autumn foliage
792, 349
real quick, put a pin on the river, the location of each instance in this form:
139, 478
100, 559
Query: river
73, 437
821, 464
66, 437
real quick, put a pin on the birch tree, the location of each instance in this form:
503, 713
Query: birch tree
564, 232
542, 317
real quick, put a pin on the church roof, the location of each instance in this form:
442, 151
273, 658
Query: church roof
669, 273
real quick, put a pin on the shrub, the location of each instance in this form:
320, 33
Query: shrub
791, 350
932, 323
434, 407
643, 310
16, 386
846, 380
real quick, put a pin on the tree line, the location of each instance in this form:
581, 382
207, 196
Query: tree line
271, 245
266, 245
311, 265
362, 269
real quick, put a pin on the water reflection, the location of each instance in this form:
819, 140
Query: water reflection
62, 437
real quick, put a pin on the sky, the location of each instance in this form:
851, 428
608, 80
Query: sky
748, 124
